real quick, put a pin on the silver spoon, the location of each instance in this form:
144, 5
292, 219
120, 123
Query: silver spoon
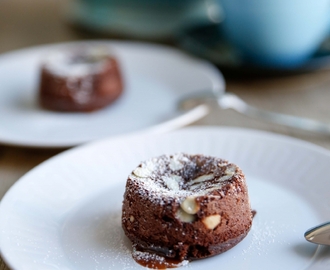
319, 234
232, 101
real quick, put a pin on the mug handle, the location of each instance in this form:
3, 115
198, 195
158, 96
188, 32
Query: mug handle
214, 11
197, 13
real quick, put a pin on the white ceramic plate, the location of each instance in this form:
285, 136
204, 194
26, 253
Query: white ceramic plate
65, 213
155, 78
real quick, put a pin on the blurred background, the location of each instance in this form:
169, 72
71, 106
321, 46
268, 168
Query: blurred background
39, 22
195, 27
233, 36
199, 28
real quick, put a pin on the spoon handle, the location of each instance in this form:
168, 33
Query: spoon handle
232, 101
319, 234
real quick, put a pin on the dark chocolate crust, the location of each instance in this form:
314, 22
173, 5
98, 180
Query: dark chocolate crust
100, 89
150, 215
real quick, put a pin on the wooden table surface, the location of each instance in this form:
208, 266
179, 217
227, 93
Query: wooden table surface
34, 22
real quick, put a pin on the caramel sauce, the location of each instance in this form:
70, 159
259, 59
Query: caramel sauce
156, 264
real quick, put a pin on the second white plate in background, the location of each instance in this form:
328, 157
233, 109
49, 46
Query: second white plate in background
155, 78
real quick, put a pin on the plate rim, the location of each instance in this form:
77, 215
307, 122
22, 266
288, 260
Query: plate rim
143, 133
81, 148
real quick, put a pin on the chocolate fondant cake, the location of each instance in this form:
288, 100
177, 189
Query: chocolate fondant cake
186, 207
79, 79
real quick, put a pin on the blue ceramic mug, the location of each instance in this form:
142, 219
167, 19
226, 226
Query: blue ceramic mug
275, 33
151, 19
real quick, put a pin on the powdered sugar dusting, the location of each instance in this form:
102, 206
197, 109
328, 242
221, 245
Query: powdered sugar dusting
181, 175
140, 255
172, 182
77, 63
175, 163
155, 261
